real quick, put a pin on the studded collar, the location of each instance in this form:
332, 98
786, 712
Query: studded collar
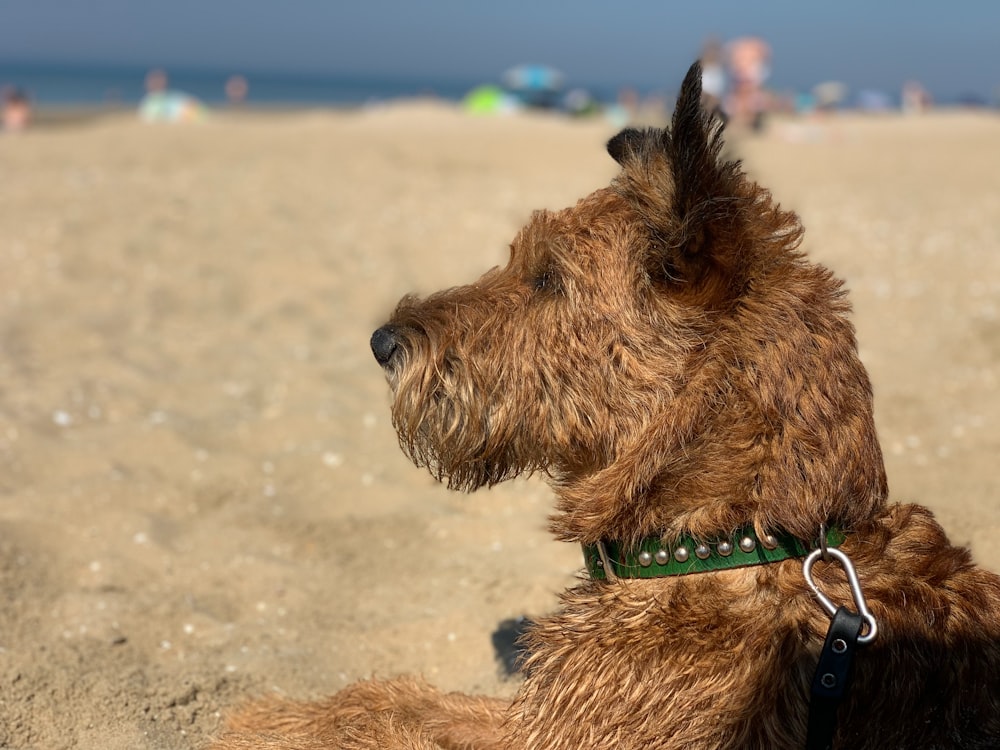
652, 558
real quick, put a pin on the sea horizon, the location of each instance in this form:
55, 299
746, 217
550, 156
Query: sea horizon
56, 84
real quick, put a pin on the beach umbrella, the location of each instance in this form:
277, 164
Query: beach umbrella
535, 85
533, 78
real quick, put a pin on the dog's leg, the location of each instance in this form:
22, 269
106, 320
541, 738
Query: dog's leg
402, 714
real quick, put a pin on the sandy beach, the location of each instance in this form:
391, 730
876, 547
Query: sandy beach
201, 495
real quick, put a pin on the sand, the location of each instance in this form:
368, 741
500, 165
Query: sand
201, 495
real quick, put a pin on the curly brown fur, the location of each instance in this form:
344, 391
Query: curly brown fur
667, 357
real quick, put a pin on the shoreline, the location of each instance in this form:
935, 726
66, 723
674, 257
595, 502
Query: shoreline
48, 115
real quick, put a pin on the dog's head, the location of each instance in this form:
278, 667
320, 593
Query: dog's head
661, 350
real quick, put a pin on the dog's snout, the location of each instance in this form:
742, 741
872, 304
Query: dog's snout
385, 344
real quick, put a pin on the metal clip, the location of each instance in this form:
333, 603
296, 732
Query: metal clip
852, 580
822, 542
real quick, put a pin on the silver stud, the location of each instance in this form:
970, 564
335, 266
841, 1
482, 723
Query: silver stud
702, 551
770, 541
662, 557
839, 646
828, 680
645, 559
725, 548
681, 554
747, 544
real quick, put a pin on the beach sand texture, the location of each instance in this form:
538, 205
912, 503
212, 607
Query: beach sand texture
201, 494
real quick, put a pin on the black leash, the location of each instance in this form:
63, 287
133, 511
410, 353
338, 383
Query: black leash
832, 678
846, 633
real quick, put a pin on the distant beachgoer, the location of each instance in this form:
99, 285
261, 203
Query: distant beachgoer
749, 66
16, 110
237, 89
156, 80
829, 95
713, 76
915, 98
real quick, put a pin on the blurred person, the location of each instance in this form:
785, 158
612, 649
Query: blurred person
829, 95
156, 81
237, 89
915, 98
153, 105
16, 109
749, 60
713, 77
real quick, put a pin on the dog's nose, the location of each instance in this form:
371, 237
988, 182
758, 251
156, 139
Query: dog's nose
384, 344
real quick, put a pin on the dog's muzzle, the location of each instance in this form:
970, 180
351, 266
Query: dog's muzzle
385, 345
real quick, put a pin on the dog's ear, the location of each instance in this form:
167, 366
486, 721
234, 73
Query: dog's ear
690, 123
699, 207
703, 185
625, 145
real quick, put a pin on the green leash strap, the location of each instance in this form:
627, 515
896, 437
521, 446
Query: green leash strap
653, 558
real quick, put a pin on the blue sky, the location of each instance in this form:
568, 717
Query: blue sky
952, 47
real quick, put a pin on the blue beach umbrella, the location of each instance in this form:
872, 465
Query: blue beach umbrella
535, 85
533, 78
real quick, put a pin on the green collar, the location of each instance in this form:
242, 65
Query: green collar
652, 558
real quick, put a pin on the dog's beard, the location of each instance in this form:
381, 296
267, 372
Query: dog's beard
445, 424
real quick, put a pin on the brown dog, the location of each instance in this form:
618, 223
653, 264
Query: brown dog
690, 384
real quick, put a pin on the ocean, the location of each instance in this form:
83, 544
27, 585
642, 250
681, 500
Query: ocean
122, 85
60, 85
70, 85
